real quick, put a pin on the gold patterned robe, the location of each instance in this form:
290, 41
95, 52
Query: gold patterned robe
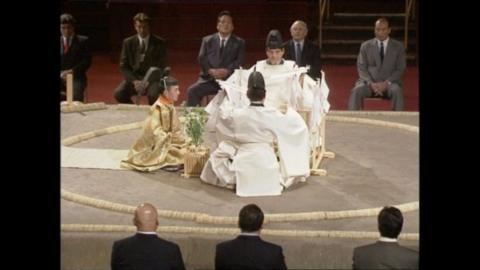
162, 142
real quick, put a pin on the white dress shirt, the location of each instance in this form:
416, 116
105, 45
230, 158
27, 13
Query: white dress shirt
144, 40
385, 44
225, 38
387, 239
142, 232
250, 234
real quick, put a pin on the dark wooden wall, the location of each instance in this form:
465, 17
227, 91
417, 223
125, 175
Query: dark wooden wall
183, 23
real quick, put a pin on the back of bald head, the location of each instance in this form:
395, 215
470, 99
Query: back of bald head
146, 218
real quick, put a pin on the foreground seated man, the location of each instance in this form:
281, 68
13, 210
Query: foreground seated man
162, 142
245, 158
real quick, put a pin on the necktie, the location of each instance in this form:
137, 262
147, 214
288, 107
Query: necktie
222, 46
298, 54
65, 45
381, 51
142, 46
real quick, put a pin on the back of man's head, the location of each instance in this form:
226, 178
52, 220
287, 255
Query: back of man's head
250, 218
256, 86
390, 222
146, 218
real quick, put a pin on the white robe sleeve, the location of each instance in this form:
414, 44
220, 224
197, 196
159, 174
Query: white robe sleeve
293, 144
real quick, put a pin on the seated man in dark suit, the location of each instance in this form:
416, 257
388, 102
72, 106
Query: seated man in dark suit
220, 54
139, 53
145, 250
248, 250
75, 58
386, 253
381, 64
303, 51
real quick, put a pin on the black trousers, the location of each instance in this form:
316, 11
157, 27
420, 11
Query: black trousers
200, 89
125, 91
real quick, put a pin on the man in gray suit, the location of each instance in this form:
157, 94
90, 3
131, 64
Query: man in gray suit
386, 253
220, 54
381, 63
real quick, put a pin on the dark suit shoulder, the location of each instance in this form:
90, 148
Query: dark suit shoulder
408, 251
366, 247
215, 35
209, 37
157, 39
226, 244
310, 45
130, 39
151, 240
382, 245
270, 245
237, 38
259, 241
81, 38
288, 43
124, 241
168, 244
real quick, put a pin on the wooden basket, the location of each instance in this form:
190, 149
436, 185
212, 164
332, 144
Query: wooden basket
195, 160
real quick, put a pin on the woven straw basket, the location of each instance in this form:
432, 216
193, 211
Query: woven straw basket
195, 160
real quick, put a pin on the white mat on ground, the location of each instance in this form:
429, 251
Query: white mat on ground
92, 158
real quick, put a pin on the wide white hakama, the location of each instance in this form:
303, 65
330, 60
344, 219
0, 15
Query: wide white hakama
246, 157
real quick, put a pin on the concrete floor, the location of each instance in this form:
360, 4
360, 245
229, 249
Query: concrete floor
374, 166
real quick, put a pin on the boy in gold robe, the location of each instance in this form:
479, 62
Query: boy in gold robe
162, 143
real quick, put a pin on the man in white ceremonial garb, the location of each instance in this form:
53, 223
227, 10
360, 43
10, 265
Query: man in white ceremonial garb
283, 78
287, 87
245, 158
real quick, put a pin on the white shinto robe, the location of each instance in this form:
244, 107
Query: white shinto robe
245, 156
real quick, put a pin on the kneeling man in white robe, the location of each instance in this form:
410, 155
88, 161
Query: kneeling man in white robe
245, 159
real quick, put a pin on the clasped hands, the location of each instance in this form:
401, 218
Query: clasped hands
218, 73
140, 86
379, 88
